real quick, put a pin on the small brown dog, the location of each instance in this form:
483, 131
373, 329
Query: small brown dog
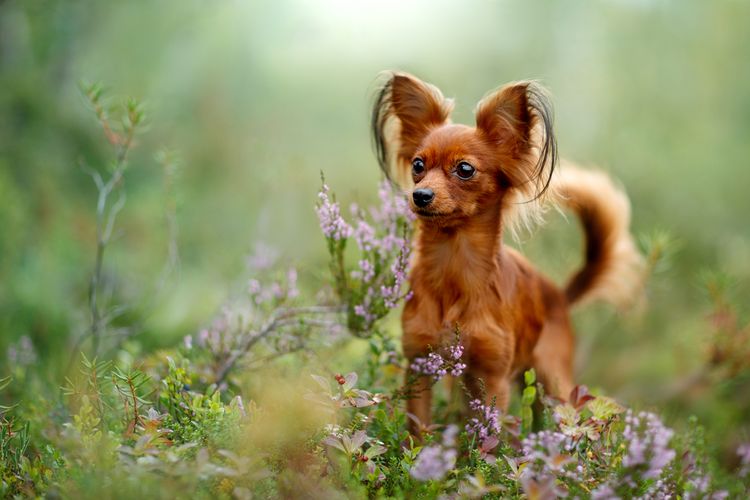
468, 184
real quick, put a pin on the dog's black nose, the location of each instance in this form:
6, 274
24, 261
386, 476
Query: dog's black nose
423, 197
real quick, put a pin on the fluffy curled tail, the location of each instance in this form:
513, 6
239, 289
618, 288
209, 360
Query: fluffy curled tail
614, 269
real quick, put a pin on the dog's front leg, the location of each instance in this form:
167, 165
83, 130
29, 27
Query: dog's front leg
419, 402
498, 391
495, 387
490, 357
422, 334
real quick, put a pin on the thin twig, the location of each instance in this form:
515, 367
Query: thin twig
308, 322
116, 208
277, 318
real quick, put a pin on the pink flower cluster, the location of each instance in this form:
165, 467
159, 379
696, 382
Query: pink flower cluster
433, 462
393, 293
379, 249
223, 335
546, 446
439, 365
380, 279
648, 444
332, 223
391, 207
549, 456
486, 421
276, 292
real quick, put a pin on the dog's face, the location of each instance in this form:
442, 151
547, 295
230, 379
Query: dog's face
455, 175
457, 170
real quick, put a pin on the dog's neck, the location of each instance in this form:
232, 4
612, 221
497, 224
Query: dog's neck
464, 257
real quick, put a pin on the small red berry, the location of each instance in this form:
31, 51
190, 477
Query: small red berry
340, 379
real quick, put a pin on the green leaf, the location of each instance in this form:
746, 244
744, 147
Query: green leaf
567, 415
375, 450
530, 377
604, 408
529, 395
527, 419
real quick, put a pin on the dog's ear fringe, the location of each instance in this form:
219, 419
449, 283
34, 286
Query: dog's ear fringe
382, 113
387, 128
540, 106
527, 202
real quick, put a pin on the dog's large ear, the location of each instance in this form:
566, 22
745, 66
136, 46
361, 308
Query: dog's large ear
405, 111
518, 119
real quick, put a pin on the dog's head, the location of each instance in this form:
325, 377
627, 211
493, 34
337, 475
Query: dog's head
457, 171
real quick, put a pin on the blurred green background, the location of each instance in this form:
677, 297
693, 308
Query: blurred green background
257, 98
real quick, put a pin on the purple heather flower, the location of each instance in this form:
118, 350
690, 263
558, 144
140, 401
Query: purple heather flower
548, 457
392, 294
458, 369
439, 365
486, 422
456, 351
698, 486
332, 223
366, 271
432, 364
364, 235
393, 205
384, 245
648, 444
433, 462
548, 446
661, 490
577, 474
275, 291
449, 436
363, 310
604, 492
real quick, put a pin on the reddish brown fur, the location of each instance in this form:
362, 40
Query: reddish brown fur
510, 317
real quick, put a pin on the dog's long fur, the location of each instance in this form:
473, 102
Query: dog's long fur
510, 317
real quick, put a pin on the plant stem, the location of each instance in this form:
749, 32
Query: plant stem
104, 233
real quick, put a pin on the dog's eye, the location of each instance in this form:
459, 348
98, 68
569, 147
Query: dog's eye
465, 171
417, 166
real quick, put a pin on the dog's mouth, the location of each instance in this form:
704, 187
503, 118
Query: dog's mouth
429, 214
